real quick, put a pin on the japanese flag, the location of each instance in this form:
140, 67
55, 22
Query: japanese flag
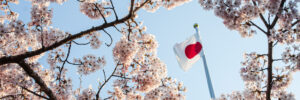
188, 52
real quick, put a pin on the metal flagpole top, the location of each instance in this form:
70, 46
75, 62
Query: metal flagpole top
196, 25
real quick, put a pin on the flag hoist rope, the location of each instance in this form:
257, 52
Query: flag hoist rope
210, 87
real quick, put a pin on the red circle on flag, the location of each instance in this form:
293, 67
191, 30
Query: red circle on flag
192, 50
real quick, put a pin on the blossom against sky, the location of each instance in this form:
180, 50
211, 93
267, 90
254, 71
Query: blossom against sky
224, 48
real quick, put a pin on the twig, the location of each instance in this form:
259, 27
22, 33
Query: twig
277, 17
116, 28
261, 16
277, 59
33, 92
121, 77
95, 4
98, 92
113, 8
104, 74
258, 27
64, 62
80, 43
111, 40
275, 44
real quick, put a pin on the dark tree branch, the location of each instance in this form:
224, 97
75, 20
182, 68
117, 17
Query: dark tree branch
260, 69
37, 79
137, 8
117, 28
104, 74
64, 62
277, 17
111, 40
121, 77
277, 59
105, 81
261, 16
71, 63
275, 44
11, 96
253, 24
13, 59
131, 7
114, 10
270, 53
270, 77
95, 4
108, 98
129, 30
34, 93
81, 43
293, 24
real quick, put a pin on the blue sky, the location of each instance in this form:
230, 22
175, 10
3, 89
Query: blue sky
224, 48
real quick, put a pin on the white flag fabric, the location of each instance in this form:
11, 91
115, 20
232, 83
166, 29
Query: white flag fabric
188, 52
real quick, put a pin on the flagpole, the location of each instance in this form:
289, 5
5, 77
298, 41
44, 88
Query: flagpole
210, 87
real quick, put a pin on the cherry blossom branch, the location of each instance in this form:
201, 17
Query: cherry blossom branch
275, 44
37, 79
277, 17
117, 28
64, 62
137, 8
261, 16
42, 36
293, 24
104, 74
121, 77
95, 4
113, 8
111, 40
253, 24
260, 69
81, 43
270, 54
71, 63
12, 96
277, 59
34, 93
105, 81
270, 62
108, 98
129, 30
13, 59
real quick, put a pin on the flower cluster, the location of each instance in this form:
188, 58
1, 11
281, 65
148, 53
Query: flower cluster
237, 14
153, 5
89, 64
150, 75
254, 67
6, 14
125, 51
291, 56
170, 90
48, 37
87, 94
40, 15
95, 43
95, 10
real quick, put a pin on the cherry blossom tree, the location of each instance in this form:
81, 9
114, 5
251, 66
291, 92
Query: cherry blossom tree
138, 72
265, 76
